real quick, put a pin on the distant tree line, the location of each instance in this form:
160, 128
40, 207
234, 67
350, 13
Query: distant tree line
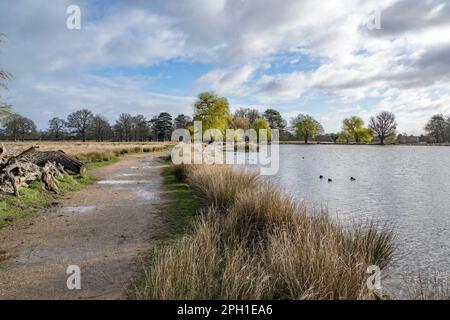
214, 112
85, 125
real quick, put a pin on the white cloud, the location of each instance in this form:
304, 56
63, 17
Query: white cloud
398, 67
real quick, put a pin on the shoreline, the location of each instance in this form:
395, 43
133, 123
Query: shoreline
314, 143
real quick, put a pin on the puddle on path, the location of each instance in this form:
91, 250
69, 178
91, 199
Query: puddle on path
79, 209
122, 182
147, 195
129, 175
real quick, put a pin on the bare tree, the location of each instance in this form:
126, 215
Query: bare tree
383, 125
123, 127
101, 129
251, 114
140, 128
57, 128
18, 127
5, 109
80, 122
438, 128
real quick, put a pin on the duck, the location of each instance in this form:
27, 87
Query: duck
352, 179
330, 180
321, 177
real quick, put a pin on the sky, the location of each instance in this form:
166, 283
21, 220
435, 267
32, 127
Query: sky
324, 58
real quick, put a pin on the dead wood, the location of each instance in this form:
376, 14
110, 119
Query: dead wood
31, 165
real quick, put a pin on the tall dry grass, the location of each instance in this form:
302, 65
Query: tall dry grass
252, 242
87, 151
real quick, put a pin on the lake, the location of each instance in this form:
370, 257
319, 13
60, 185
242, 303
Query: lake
407, 187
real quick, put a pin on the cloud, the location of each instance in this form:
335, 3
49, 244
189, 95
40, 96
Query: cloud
254, 50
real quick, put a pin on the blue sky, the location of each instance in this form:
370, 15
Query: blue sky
298, 56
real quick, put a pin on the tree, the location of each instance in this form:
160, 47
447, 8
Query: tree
182, 122
383, 125
240, 123
5, 109
438, 128
140, 128
251, 114
57, 128
19, 127
306, 127
354, 127
100, 128
259, 124
162, 126
80, 122
213, 111
274, 119
123, 127
334, 137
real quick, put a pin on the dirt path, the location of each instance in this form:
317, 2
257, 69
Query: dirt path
103, 229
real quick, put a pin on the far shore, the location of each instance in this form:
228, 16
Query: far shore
366, 144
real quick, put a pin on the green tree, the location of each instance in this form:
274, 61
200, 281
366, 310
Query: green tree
162, 126
274, 119
213, 111
384, 126
334, 137
261, 123
354, 127
182, 122
306, 127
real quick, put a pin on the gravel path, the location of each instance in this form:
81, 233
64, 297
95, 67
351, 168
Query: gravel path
103, 229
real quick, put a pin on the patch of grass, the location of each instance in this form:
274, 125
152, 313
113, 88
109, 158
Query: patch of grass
96, 165
37, 197
181, 209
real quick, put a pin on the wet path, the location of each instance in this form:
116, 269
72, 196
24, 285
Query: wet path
102, 229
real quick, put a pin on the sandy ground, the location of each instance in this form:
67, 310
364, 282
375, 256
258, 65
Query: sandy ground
105, 229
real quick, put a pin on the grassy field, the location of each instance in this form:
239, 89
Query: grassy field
88, 152
252, 242
93, 154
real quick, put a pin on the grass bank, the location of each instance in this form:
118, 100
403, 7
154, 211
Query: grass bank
37, 197
181, 207
252, 242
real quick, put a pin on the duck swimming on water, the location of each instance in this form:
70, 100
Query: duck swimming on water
330, 180
321, 177
352, 179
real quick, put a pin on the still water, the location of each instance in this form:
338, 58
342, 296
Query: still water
405, 186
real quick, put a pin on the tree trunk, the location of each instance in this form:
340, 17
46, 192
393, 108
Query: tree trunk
382, 141
40, 158
306, 140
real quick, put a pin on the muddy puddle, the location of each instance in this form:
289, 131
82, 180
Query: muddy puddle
147, 195
124, 182
79, 209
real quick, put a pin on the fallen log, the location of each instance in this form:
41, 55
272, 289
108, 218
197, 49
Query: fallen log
31, 165
40, 158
